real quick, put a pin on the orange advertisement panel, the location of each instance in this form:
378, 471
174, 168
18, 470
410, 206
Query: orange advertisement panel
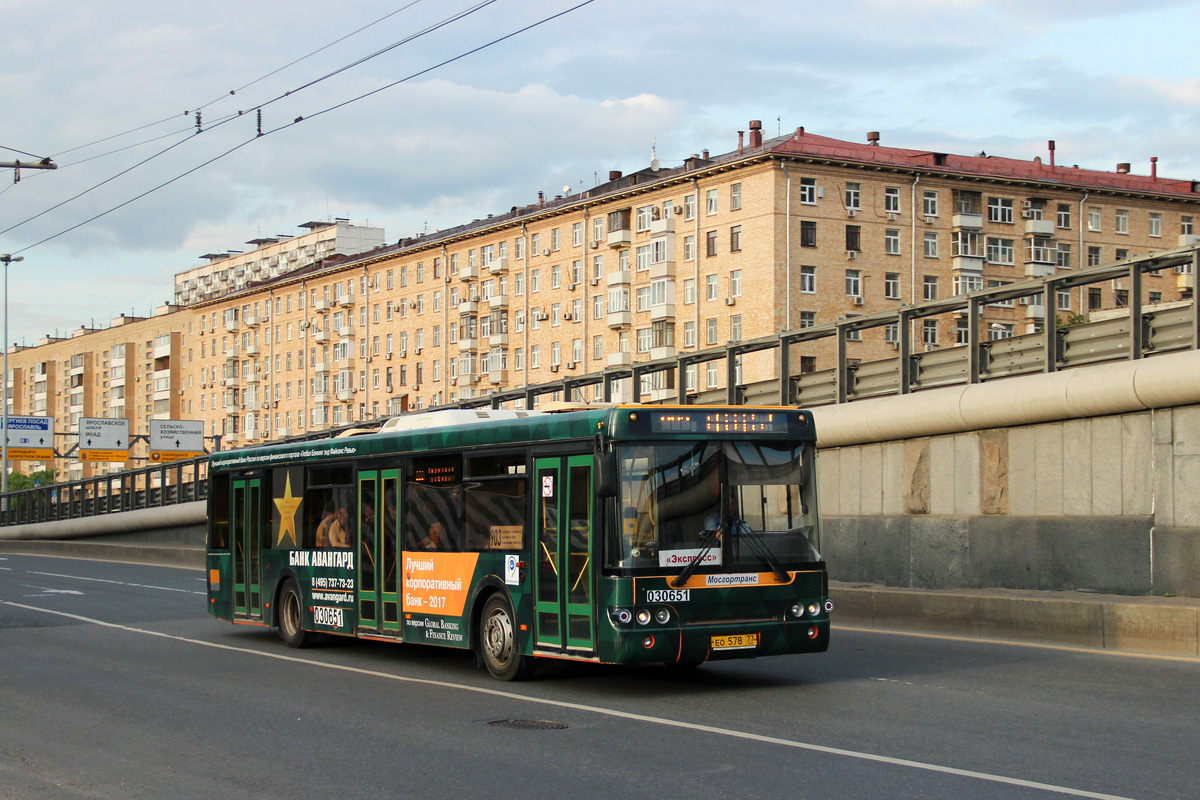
104, 455
437, 583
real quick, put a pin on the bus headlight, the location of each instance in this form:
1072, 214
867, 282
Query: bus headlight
643, 616
828, 605
814, 609
662, 616
623, 616
797, 610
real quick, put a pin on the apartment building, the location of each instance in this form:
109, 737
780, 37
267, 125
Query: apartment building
133, 369
773, 235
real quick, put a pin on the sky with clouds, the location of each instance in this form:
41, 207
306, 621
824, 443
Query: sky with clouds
110, 91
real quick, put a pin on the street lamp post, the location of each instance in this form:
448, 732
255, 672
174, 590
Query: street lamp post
6, 259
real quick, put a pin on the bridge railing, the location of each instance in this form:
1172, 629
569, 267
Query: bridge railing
130, 490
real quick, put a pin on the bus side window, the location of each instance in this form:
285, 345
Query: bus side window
433, 504
218, 531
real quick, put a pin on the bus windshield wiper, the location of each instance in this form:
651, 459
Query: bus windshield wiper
707, 539
760, 547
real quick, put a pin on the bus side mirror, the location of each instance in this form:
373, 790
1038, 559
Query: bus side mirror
606, 480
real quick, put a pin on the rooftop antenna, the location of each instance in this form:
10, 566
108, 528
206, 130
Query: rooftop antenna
654, 153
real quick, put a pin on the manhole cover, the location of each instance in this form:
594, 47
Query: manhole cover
528, 724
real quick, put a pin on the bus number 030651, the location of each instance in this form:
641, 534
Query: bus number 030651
668, 595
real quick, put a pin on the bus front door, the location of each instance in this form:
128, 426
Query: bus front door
563, 597
378, 582
245, 524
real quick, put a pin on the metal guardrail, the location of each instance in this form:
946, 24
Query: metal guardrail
1138, 333
148, 487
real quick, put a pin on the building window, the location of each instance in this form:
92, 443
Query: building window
1064, 216
1062, 258
735, 238
891, 242
961, 332
891, 285
853, 283
966, 244
689, 206
808, 191
808, 319
929, 203
929, 332
689, 334
1186, 224
1000, 330
577, 234
1063, 299
1093, 257
808, 280
1155, 228
1000, 209
711, 202
891, 332
891, 200
929, 287
735, 197
710, 287
964, 284
710, 326
808, 233
1093, 218
931, 244
710, 243
853, 196
642, 220
853, 238
1122, 220
999, 251
735, 328
1095, 299
735, 283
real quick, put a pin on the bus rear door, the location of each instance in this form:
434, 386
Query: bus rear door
378, 581
564, 599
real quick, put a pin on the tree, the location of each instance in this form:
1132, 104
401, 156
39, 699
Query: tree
19, 480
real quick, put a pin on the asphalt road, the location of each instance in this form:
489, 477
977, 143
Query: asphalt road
115, 684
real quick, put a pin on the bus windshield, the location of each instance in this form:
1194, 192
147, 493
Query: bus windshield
715, 507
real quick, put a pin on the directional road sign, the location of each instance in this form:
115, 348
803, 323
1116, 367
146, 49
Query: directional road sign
176, 439
31, 438
103, 439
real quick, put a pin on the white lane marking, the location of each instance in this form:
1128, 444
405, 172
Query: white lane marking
118, 583
609, 712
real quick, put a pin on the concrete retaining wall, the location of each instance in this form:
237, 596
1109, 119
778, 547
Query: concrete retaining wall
1105, 504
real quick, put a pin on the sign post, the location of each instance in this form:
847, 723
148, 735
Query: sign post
104, 439
175, 440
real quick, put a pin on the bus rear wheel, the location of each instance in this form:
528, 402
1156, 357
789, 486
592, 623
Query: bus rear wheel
291, 616
498, 642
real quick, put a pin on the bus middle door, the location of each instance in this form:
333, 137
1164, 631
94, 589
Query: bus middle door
563, 598
246, 531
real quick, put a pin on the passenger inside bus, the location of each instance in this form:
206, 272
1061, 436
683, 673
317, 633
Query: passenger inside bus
339, 529
328, 517
436, 539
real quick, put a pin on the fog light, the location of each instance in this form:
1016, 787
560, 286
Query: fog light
647, 641
828, 605
812, 632
643, 616
797, 610
814, 609
624, 616
662, 616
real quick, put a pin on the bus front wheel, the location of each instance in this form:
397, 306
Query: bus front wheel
291, 616
498, 642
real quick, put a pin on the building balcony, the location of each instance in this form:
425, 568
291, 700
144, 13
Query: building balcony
1039, 227
346, 332
345, 395
253, 379
1038, 269
345, 301
468, 273
252, 350
498, 266
967, 263
322, 306
968, 221
320, 367
497, 340
321, 398
662, 269
320, 337
657, 353
620, 238
498, 301
498, 376
468, 307
662, 227
660, 311
1188, 239
1185, 281
467, 344
619, 278
620, 359
250, 321
619, 319
232, 381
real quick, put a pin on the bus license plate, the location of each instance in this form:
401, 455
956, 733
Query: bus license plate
737, 641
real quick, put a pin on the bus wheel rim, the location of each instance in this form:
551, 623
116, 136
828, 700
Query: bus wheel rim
499, 637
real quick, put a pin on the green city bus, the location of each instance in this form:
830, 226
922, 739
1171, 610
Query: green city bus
623, 534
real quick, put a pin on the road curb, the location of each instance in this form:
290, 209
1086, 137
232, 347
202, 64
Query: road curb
159, 555
1159, 625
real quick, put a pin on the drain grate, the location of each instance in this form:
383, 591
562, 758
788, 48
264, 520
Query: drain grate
528, 724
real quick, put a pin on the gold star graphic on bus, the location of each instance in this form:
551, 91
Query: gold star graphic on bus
287, 506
